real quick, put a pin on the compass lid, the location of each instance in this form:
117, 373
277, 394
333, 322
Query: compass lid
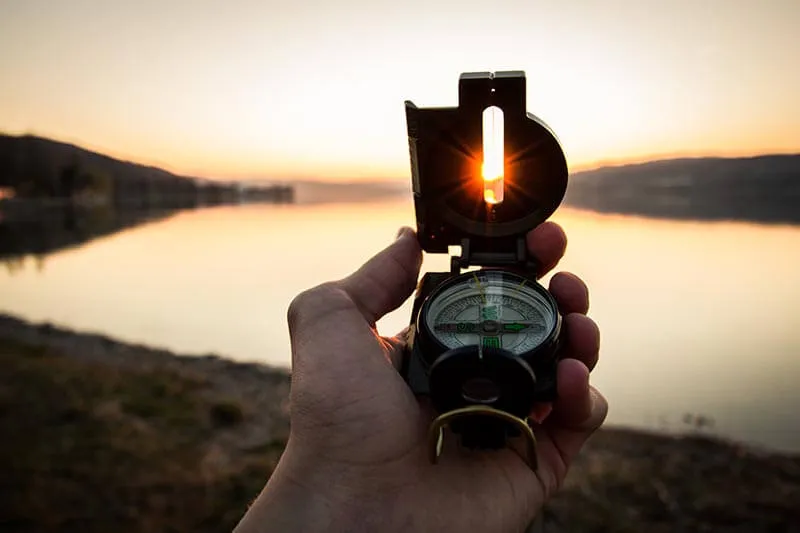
449, 181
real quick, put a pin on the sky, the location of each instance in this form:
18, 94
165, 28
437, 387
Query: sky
257, 89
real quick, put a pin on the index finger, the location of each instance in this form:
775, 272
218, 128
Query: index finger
547, 244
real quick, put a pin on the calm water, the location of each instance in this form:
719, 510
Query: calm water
695, 317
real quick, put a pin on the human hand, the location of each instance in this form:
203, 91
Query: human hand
356, 459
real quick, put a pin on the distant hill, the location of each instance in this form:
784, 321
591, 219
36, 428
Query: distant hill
762, 189
26, 155
41, 168
28, 158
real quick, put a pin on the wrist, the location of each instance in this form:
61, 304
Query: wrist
302, 496
285, 506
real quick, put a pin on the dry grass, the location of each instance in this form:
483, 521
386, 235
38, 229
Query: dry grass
627, 481
87, 447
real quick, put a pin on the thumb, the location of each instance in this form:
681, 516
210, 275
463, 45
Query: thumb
384, 282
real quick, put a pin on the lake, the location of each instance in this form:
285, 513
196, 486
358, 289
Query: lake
695, 317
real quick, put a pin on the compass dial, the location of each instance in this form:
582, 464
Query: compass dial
493, 309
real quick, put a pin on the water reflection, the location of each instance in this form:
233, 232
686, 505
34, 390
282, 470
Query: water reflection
38, 229
695, 317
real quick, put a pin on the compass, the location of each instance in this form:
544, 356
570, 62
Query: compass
484, 341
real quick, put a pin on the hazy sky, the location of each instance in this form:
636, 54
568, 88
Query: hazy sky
301, 88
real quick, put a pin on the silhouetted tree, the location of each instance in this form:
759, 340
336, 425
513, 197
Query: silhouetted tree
69, 179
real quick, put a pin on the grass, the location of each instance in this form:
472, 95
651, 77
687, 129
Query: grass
226, 414
628, 481
89, 447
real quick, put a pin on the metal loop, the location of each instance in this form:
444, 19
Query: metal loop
435, 435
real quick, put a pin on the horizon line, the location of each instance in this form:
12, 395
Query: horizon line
578, 168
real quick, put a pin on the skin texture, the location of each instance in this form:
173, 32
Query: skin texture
356, 459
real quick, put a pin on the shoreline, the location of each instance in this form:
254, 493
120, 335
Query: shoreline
208, 431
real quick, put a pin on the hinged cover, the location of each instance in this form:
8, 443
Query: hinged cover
446, 151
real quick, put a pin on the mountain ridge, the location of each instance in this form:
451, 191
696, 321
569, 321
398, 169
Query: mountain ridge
65, 149
686, 159
764, 188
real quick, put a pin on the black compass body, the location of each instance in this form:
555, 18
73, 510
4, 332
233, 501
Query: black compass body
486, 339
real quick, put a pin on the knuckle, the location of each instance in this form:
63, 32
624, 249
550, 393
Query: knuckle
295, 309
309, 303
